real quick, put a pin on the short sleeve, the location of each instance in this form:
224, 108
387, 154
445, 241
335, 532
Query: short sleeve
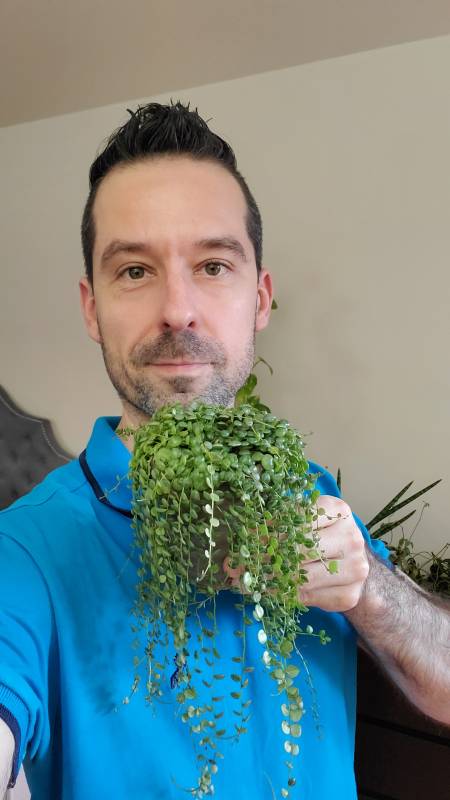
326, 484
26, 643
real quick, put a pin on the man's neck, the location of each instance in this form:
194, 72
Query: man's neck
131, 418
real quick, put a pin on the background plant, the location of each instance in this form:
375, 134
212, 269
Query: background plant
428, 569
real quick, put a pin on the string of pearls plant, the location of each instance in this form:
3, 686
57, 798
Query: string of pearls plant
210, 482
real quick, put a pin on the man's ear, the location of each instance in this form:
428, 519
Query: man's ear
88, 309
264, 300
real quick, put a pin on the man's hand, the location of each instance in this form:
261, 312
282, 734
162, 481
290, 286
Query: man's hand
7, 744
336, 577
404, 627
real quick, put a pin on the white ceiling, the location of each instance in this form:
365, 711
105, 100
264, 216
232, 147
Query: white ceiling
58, 56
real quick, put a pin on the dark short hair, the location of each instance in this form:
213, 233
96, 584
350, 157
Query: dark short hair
155, 130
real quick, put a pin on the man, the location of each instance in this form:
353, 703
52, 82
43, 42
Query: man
174, 292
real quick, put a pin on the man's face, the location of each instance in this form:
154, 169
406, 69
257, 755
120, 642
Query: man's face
176, 300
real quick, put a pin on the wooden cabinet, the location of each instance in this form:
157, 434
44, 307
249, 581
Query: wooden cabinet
400, 754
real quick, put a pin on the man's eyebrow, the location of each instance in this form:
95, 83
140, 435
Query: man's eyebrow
211, 243
223, 243
122, 246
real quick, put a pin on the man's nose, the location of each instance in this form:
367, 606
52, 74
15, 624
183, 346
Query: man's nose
177, 309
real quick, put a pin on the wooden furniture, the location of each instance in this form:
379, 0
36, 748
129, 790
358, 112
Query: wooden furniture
400, 753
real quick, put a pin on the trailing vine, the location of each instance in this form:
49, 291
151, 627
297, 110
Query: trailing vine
211, 482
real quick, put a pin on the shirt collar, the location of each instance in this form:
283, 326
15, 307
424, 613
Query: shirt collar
109, 461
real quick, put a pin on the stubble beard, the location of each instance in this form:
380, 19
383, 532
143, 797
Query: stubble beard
145, 395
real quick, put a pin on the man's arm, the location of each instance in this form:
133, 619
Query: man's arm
408, 631
405, 628
7, 745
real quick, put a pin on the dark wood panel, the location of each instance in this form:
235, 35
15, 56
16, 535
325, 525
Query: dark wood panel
380, 699
400, 766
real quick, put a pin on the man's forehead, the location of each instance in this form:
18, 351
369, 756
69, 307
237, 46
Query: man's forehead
180, 174
196, 200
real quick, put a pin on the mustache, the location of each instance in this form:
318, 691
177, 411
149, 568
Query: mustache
176, 346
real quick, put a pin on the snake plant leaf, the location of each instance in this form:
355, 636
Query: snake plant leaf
391, 508
385, 511
386, 527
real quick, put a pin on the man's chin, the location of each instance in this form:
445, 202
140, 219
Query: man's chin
186, 398
148, 399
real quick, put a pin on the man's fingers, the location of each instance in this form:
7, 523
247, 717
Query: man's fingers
329, 511
235, 573
335, 598
330, 571
235, 576
341, 579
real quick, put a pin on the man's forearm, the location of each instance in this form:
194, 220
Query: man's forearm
408, 631
6, 756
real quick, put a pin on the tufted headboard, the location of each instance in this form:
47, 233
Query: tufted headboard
28, 450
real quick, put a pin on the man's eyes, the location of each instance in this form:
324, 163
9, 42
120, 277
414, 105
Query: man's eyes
212, 269
135, 272
215, 266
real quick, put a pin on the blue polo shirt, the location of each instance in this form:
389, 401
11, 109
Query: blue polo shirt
67, 588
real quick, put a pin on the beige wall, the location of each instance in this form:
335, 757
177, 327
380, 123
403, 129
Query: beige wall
349, 159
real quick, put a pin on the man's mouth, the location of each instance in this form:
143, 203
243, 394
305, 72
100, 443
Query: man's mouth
179, 366
185, 362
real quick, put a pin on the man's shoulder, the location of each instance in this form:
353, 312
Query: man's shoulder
43, 504
325, 482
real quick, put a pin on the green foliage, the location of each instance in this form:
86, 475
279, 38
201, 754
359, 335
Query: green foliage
428, 569
392, 507
211, 482
246, 393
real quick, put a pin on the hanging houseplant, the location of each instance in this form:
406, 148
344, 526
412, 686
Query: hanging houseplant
210, 482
